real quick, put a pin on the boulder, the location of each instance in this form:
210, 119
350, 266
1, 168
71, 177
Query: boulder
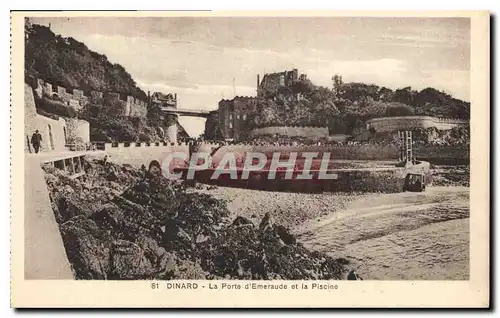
71, 205
353, 275
110, 217
87, 247
112, 176
128, 261
157, 255
242, 221
285, 235
158, 229
266, 223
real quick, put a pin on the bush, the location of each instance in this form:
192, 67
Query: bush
107, 124
46, 105
69, 63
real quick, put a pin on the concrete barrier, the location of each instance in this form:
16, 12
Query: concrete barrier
138, 154
44, 253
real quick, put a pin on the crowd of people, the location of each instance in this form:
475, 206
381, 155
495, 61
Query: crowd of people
442, 139
297, 142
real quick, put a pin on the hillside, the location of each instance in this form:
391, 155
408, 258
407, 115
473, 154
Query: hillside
69, 63
347, 106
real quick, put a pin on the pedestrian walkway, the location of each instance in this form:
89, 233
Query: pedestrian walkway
51, 156
44, 253
70, 161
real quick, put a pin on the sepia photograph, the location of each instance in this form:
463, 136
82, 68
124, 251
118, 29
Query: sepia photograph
269, 149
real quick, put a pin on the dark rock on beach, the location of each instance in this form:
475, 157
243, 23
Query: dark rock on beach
118, 223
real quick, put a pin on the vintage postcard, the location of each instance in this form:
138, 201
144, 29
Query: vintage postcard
250, 159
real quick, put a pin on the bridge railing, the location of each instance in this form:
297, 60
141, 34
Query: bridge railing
180, 110
101, 145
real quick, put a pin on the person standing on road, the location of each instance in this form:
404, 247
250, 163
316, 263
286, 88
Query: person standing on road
36, 140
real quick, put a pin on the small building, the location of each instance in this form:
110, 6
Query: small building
234, 120
235, 116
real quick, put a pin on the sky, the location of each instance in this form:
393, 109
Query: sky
206, 59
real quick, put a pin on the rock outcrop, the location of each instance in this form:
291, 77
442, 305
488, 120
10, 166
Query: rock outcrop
136, 225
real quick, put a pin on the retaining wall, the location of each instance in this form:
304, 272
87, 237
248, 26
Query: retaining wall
29, 116
387, 124
53, 133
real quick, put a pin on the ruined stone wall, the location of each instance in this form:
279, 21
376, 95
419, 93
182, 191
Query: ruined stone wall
76, 98
387, 124
449, 123
273, 81
137, 107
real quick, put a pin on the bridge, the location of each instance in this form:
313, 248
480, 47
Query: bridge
185, 112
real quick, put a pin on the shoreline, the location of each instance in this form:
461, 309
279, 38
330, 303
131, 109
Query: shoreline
376, 232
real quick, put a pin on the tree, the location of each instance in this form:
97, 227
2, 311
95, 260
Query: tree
359, 91
386, 94
337, 85
398, 109
69, 63
405, 96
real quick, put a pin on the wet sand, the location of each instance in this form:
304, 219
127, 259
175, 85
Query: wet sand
400, 236
287, 208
